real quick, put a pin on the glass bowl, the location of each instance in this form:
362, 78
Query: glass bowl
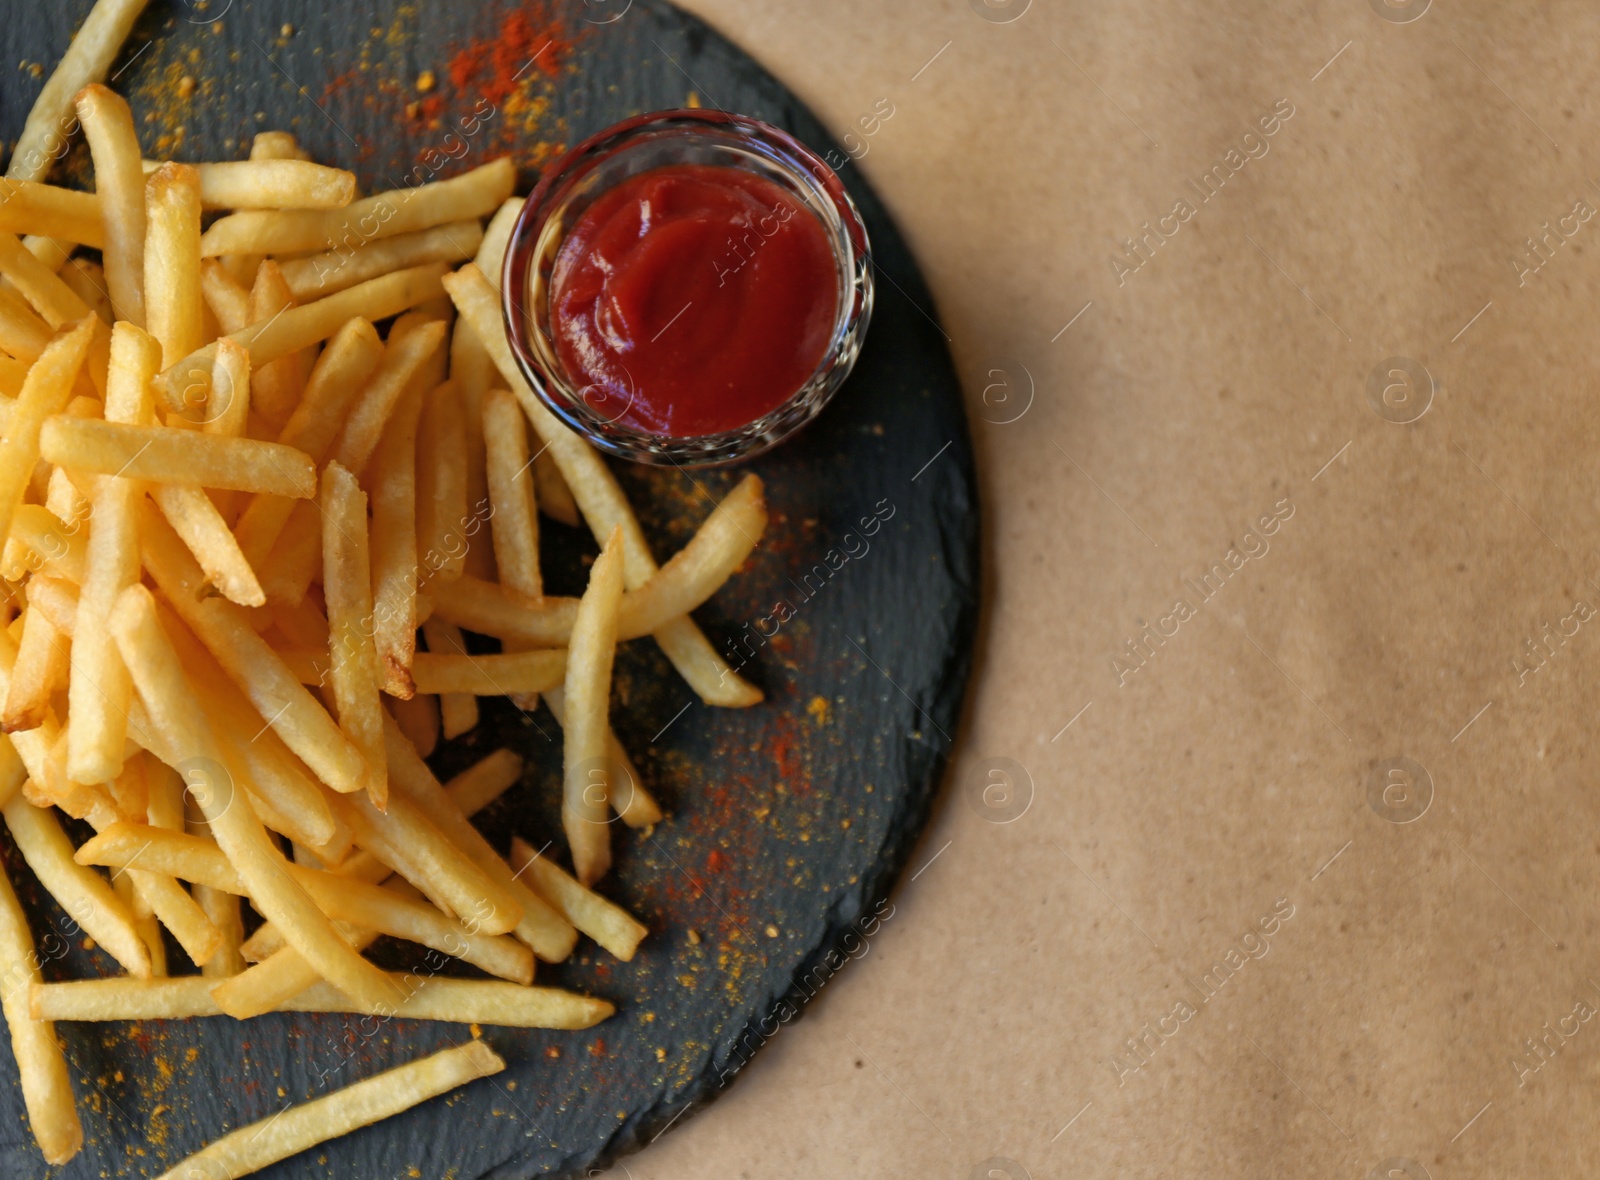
637, 145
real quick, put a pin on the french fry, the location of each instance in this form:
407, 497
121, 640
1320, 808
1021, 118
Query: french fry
334, 270
12, 374
57, 599
409, 842
599, 498
279, 385
30, 208
604, 921
40, 670
337, 378
693, 575
588, 703
362, 905
228, 402
442, 484
625, 790
228, 299
86, 896
173, 709
290, 1131
402, 359
492, 253
462, 1001
458, 711
87, 279
551, 490
509, 471
167, 810
392, 478
507, 674
418, 717
23, 333
273, 184
278, 697
287, 800
89, 55
45, 392
470, 372
172, 260
119, 183
484, 781
56, 303
195, 518
162, 454
300, 327
550, 935
277, 145
54, 546
385, 215
347, 582
46, 1089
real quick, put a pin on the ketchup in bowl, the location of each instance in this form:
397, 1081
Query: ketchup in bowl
687, 287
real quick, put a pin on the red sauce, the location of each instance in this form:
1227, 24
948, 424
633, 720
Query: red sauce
693, 299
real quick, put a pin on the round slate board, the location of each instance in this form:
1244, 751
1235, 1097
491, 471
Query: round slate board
787, 823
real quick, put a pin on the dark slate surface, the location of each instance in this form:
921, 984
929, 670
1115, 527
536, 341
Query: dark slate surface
787, 823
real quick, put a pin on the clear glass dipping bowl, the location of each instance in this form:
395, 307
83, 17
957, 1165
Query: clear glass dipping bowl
637, 145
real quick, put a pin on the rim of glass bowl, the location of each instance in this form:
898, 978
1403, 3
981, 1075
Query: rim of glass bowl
536, 239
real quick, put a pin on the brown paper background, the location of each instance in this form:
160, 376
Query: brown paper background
1223, 376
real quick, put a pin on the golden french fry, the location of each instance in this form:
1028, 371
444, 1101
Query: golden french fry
99, 689
23, 333
57, 598
45, 391
337, 378
402, 359
195, 518
274, 184
172, 260
506, 674
287, 800
222, 909
471, 371
484, 781
30, 208
599, 498
250, 663
625, 790
86, 896
359, 903
46, 1090
89, 55
604, 921
492, 253
442, 484
162, 454
279, 385
44, 541
462, 1001
334, 270
228, 299
291, 1131
184, 384
588, 704
12, 374
347, 582
551, 936
56, 303
409, 842
119, 183
228, 403
277, 145
392, 478
458, 711
40, 670
418, 718
174, 710
385, 215
509, 471
551, 491
87, 279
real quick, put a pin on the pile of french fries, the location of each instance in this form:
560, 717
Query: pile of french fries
229, 504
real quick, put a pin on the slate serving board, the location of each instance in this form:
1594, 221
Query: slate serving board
787, 823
